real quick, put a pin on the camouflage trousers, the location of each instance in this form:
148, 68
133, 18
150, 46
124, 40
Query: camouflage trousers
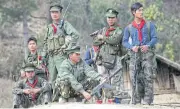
25, 101
116, 81
141, 74
54, 64
66, 91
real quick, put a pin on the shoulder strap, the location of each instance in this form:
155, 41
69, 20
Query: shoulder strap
90, 51
149, 30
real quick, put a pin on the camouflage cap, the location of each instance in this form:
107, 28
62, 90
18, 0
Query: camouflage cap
111, 12
74, 49
29, 68
56, 7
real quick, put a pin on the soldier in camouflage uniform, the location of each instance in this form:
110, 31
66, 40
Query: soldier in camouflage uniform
109, 39
32, 90
34, 58
76, 77
141, 42
59, 36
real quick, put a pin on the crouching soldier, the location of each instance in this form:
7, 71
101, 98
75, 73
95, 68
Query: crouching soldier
76, 78
31, 90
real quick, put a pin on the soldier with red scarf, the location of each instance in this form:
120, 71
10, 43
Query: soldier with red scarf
140, 38
32, 90
109, 40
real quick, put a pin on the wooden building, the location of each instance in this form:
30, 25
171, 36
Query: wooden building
167, 78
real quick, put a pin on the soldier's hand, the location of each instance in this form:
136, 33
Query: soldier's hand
35, 90
86, 95
144, 48
135, 49
27, 91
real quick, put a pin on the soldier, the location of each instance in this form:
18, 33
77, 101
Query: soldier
32, 90
91, 56
140, 38
109, 39
75, 77
59, 36
34, 58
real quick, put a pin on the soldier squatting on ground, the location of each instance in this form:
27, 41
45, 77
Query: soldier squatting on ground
71, 77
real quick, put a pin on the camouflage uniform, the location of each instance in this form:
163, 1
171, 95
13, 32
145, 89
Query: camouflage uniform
56, 41
75, 78
141, 63
36, 60
108, 57
21, 99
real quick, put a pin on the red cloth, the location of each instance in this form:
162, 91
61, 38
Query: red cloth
39, 57
108, 31
96, 48
33, 85
139, 27
54, 28
98, 101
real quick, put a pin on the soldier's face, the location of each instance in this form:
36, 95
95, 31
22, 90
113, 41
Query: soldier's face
138, 13
55, 15
111, 20
32, 45
75, 57
30, 74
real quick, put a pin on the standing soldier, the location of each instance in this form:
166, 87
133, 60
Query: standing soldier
59, 36
140, 38
108, 39
34, 58
76, 77
32, 90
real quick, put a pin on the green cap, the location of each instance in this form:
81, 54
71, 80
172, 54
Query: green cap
74, 49
56, 7
29, 68
111, 12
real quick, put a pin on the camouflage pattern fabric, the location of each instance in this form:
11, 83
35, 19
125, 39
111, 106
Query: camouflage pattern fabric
36, 60
55, 44
75, 78
142, 65
24, 100
109, 58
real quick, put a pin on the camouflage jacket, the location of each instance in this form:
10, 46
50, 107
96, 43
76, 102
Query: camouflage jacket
22, 84
77, 74
64, 37
34, 59
110, 45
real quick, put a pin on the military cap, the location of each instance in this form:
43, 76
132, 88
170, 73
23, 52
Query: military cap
29, 68
74, 49
111, 12
56, 7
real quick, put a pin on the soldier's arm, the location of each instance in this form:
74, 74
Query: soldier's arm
18, 89
114, 39
71, 31
90, 72
65, 74
153, 35
126, 37
45, 46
